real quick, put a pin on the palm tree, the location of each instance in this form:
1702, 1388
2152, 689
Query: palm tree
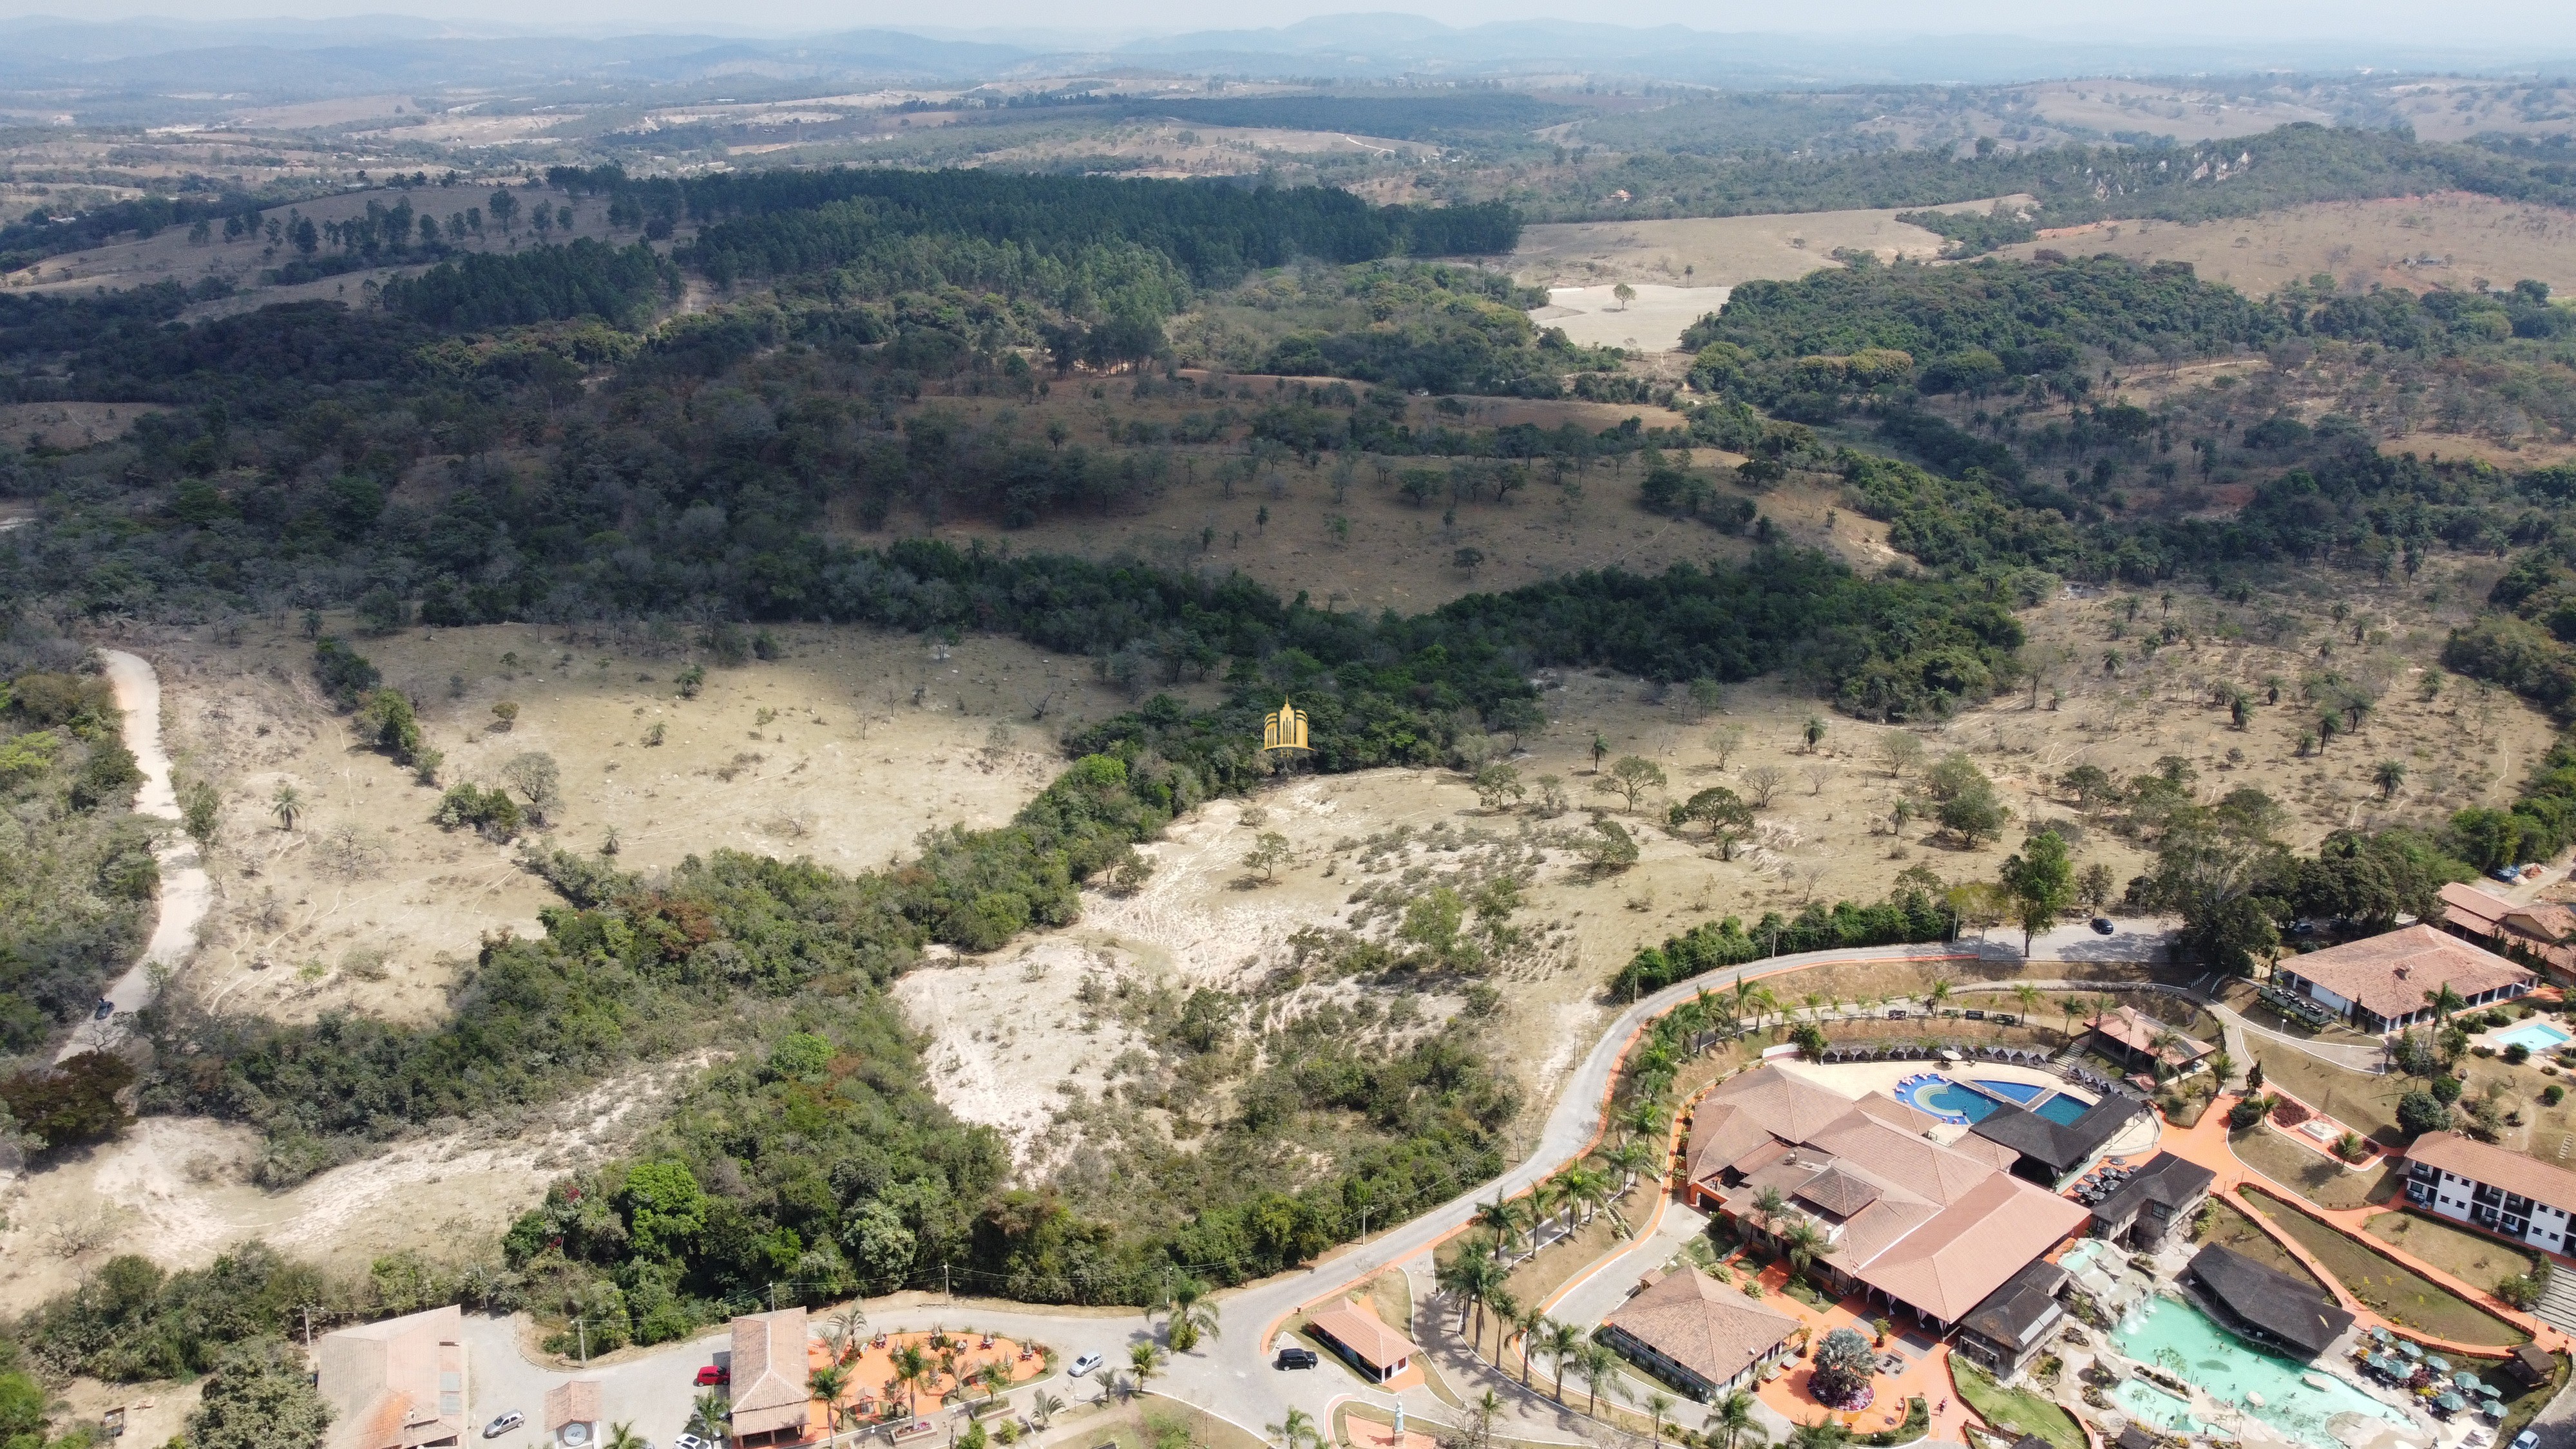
1659, 1404
1187, 1315
2388, 775
850, 1325
1631, 1159
1939, 994
288, 805
1805, 1243
1564, 1345
912, 1369
1144, 1360
1298, 1433
1643, 1117
2166, 1041
1502, 1218
623, 1436
1462, 1278
1487, 1408
1044, 1408
1734, 1415
1506, 1311
708, 1412
1533, 1324
2444, 1001
826, 1383
1822, 1434
1542, 1209
1596, 1363
2026, 996
2073, 1006
1768, 1205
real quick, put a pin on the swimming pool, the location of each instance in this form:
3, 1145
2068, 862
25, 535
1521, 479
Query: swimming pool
2177, 1337
2535, 1037
1945, 1098
1976, 1100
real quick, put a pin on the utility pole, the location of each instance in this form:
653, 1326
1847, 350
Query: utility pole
581, 1331
308, 1327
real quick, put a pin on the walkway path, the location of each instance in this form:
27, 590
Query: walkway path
185, 891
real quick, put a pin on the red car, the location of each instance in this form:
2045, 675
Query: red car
714, 1374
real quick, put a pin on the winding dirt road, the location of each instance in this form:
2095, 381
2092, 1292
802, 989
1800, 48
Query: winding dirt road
185, 891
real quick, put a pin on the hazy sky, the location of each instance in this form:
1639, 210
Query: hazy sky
2483, 24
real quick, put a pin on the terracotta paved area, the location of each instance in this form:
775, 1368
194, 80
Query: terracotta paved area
872, 1387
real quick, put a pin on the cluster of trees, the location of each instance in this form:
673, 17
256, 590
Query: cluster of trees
2239, 176
1430, 328
544, 284
77, 875
1912, 914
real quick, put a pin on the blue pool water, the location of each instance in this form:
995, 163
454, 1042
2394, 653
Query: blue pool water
2061, 1109
2536, 1037
2020, 1094
1949, 1099
2178, 1338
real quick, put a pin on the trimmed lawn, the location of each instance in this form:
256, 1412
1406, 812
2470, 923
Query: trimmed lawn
2222, 1224
2464, 1253
1145, 1423
2014, 1411
2398, 1293
2366, 1104
2312, 1175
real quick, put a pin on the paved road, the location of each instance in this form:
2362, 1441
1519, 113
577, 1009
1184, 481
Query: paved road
185, 890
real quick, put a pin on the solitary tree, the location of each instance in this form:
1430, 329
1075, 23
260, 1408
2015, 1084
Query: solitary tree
1144, 1360
1724, 741
1901, 751
1814, 732
1762, 783
2042, 882
1624, 293
1269, 851
288, 805
1630, 779
2388, 775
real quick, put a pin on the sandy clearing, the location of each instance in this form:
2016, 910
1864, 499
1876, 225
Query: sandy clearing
1718, 251
1653, 321
178, 1190
2448, 239
185, 889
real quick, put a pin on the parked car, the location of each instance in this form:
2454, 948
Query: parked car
1896, 1013
1294, 1358
714, 1374
504, 1424
2102, 926
1085, 1364
2507, 874
106, 1009
692, 1441
1973, 1014
2527, 1439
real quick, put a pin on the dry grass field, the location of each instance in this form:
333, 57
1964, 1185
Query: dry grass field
1715, 251
2451, 239
2185, 113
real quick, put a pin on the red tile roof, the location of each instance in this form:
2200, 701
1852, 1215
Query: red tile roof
2389, 974
1357, 1327
769, 1368
1712, 1330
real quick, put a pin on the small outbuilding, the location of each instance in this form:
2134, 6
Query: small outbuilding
2143, 1211
1355, 1334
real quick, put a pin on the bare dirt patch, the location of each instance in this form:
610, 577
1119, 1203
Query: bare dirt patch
65, 424
180, 1190
1654, 320
1717, 251
844, 749
2418, 242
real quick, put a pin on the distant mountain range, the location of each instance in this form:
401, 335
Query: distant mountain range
298, 59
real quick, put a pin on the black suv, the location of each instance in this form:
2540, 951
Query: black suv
1294, 1358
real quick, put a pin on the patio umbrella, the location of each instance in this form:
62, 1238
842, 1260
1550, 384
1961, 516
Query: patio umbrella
2438, 1364
2491, 1391
2467, 1381
2450, 1403
2410, 1348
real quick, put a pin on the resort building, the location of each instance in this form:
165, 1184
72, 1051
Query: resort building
399, 1384
2140, 1043
1698, 1335
2541, 934
1357, 1336
2008, 1330
771, 1404
2267, 1305
2048, 1151
2381, 984
2156, 1199
1914, 1224
2506, 1193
